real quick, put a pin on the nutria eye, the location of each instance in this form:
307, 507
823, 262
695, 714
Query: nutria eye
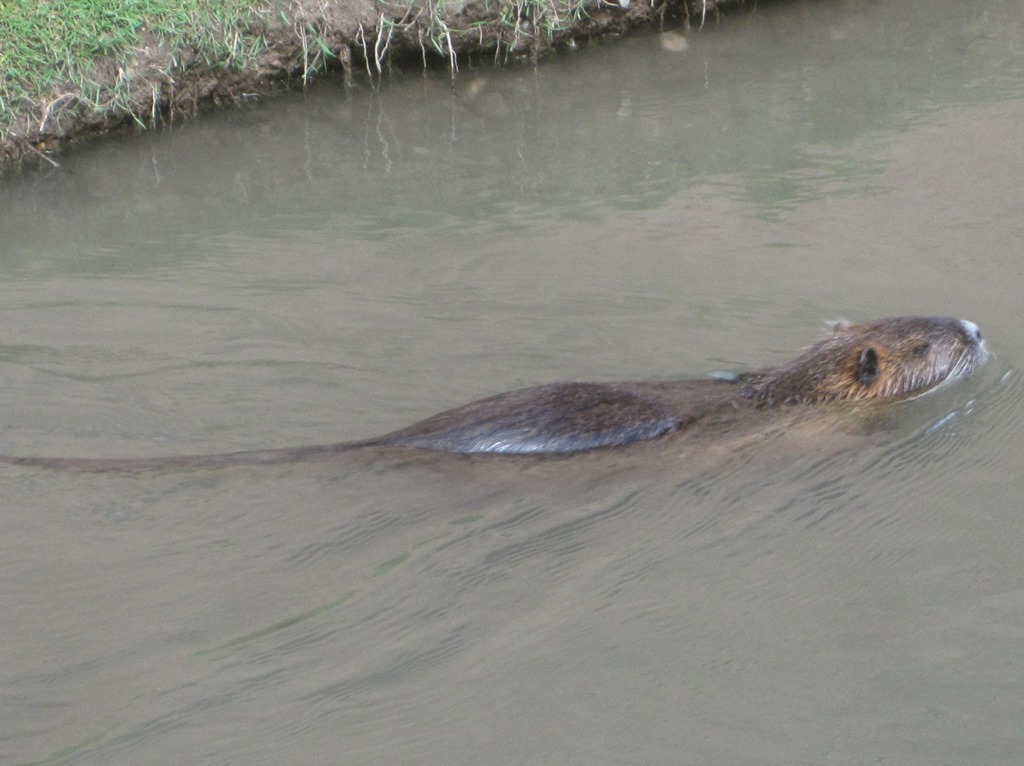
921, 349
867, 366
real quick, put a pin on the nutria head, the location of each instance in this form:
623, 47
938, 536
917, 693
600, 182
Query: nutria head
887, 359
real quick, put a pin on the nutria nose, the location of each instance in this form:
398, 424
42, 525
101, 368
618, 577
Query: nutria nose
972, 330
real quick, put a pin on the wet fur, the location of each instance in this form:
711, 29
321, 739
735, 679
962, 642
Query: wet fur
881, 361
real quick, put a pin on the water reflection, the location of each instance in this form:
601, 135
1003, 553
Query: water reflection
769, 103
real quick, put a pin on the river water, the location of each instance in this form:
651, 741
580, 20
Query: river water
331, 266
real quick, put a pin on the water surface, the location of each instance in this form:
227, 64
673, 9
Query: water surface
338, 264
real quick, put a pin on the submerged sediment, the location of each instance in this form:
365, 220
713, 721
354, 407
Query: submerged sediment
187, 53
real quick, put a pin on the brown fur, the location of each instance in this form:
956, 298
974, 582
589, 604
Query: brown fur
883, 360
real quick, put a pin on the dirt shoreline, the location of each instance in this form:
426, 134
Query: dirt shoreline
302, 38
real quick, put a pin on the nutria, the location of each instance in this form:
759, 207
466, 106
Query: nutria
881, 361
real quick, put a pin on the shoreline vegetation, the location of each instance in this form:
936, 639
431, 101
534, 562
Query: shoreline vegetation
75, 68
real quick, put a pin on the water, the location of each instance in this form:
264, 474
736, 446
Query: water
336, 265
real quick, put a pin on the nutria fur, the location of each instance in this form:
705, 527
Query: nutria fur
884, 360
880, 361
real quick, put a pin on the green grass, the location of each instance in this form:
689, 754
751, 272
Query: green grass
68, 63
63, 53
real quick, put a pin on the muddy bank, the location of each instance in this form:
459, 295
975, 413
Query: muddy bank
294, 40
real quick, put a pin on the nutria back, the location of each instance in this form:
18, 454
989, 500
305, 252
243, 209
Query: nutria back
870, 363
882, 361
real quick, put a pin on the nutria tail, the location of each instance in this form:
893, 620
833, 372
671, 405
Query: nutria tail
146, 464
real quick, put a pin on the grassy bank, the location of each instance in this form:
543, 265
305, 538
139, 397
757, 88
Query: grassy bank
75, 66
65, 59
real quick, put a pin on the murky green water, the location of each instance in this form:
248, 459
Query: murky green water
336, 265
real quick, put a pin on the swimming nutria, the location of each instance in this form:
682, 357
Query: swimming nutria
884, 360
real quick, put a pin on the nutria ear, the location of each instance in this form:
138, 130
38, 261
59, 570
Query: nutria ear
867, 366
838, 325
